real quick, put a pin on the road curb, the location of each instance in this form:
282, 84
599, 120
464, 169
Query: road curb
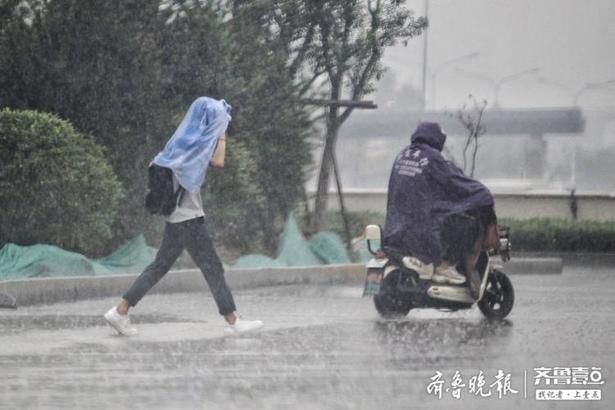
52, 290
542, 265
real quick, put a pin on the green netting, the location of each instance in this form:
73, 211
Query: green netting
329, 248
360, 251
132, 257
294, 250
18, 262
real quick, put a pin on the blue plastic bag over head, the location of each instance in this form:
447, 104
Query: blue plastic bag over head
191, 147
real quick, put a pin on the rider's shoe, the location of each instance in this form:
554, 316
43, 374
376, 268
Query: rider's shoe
448, 275
424, 270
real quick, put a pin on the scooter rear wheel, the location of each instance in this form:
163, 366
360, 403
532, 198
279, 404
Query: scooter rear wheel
499, 296
390, 302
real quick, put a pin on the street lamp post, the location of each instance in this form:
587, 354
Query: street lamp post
555, 84
479, 76
587, 87
424, 70
573, 156
441, 67
496, 84
575, 98
591, 86
509, 78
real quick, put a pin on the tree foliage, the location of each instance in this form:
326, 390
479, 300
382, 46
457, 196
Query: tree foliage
334, 50
352, 37
331, 49
96, 64
270, 120
269, 125
56, 185
125, 71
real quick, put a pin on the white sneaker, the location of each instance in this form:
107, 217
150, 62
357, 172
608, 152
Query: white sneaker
121, 323
417, 265
448, 275
242, 326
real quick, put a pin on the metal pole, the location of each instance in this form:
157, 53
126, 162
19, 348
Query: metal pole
507, 78
591, 86
425, 43
442, 66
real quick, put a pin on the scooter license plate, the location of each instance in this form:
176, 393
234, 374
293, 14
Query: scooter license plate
372, 281
377, 263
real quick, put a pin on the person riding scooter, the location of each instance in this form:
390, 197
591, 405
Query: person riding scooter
437, 215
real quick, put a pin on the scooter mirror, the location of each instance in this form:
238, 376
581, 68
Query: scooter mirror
372, 233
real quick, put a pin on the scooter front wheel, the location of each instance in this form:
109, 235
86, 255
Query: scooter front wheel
499, 296
390, 302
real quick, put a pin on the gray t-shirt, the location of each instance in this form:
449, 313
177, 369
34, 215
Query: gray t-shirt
190, 206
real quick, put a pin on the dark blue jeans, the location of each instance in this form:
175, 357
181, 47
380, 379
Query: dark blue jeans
191, 235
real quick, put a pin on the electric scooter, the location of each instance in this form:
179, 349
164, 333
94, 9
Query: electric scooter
399, 282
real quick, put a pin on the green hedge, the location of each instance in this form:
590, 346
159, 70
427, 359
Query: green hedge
56, 186
561, 235
530, 235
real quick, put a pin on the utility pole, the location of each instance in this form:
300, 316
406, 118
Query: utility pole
425, 43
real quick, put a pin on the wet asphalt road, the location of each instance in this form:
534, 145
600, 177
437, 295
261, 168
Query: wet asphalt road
322, 348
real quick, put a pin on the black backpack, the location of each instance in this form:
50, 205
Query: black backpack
161, 198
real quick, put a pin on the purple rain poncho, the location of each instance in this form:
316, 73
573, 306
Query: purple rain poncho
425, 188
191, 147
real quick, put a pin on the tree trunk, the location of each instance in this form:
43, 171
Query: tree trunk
324, 176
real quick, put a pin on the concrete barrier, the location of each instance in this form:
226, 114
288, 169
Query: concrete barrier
516, 205
52, 290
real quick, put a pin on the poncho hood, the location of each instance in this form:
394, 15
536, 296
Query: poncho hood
429, 133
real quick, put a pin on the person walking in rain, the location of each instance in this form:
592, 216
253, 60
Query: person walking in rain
198, 142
